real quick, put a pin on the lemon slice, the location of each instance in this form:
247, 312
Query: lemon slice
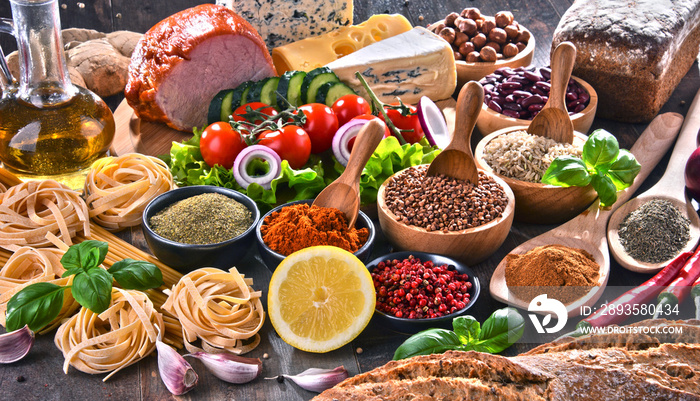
320, 298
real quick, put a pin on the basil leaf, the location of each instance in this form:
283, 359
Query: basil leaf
623, 170
136, 274
607, 192
36, 305
600, 148
567, 171
467, 328
501, 330
431, 341
93, 289
84, 256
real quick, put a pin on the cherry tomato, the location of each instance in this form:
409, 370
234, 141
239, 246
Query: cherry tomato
290, 142
387, 132
321, 124
220, 144
349, 106
258, 106
410, 124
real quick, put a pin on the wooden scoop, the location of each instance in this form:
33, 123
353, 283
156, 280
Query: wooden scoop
587, 230
457, 160
344, 192
553, 120
671, 187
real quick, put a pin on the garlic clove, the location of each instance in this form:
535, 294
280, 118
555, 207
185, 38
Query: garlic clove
177, 374
15, 345
317, 380
229, 367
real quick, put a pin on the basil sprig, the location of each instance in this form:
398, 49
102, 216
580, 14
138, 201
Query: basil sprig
501, 330
603, 165
38, 304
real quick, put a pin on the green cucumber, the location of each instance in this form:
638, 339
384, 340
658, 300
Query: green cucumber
217, 105
254, 93
245, 95
267, 93
329, 92
237, 97
313, 80
289, 87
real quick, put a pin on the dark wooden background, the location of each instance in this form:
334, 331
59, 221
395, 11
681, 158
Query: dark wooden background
40, 375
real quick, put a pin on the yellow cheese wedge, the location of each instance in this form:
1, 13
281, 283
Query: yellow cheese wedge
317, 51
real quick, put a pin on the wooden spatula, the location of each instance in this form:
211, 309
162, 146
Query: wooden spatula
553, 120
457, 160
344, 192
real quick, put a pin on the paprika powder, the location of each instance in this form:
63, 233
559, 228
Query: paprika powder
301, 226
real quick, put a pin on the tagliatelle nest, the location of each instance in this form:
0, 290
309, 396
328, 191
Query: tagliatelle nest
30, 210
218, 307
120, 336
29, 266
117, 190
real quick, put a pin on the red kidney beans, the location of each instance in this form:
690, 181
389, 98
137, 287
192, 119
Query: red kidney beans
522, 92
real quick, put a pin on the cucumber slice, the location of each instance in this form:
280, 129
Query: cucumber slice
289, 86
245, 98
217, 105
329, 92
254, 93
268, 90
237, 97
313, 80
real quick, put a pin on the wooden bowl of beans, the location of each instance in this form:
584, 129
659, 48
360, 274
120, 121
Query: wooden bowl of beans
445, 216
483, 44
514, 96
520, 159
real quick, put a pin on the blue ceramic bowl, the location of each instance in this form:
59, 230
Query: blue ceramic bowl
187, 257
272, 259
411, 326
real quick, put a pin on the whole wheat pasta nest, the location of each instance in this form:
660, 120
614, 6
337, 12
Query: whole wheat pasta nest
218, 307
30, 210
120, 336
117, 189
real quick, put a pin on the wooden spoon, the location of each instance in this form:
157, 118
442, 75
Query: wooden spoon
344, 192
553, 120
670, 187
457, 160
587, 230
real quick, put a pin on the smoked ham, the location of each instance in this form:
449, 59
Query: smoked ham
183, 61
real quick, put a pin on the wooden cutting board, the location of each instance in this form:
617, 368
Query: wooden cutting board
134, 135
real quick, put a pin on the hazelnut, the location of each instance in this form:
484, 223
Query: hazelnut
512, 31
468, 26
524, 36
472, 13
521, 46
458, 56
510, 50
466, 48
498, 35
503, 18
479, 23
479, 40
450, 19
460, 37
487, 53
488, 25
495, 46
448, 34
473, 57
439, 26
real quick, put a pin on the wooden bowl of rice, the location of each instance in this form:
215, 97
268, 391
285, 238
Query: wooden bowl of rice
520, 160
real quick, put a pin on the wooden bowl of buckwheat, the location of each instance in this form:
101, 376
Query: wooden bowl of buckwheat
445, 216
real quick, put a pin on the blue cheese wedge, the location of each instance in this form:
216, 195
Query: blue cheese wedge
280, 22
409, 65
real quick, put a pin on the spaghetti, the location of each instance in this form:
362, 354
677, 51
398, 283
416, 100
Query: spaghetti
118, 337
117, 190
218, 307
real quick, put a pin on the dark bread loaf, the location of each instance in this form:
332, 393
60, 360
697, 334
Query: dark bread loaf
633, 52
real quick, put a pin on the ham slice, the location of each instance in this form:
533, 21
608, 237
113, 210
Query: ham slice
181, 63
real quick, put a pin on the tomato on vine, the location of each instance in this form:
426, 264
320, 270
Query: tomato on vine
405, 118
349, 106
220, 144
242, 112
290, 142
321, 124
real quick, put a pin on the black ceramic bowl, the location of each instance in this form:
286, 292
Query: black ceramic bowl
272, 259
411, 326
187, 257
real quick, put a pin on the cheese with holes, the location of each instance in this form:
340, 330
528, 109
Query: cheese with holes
410, 65
314, 52
280, 23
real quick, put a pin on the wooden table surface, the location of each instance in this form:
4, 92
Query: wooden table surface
40, 374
